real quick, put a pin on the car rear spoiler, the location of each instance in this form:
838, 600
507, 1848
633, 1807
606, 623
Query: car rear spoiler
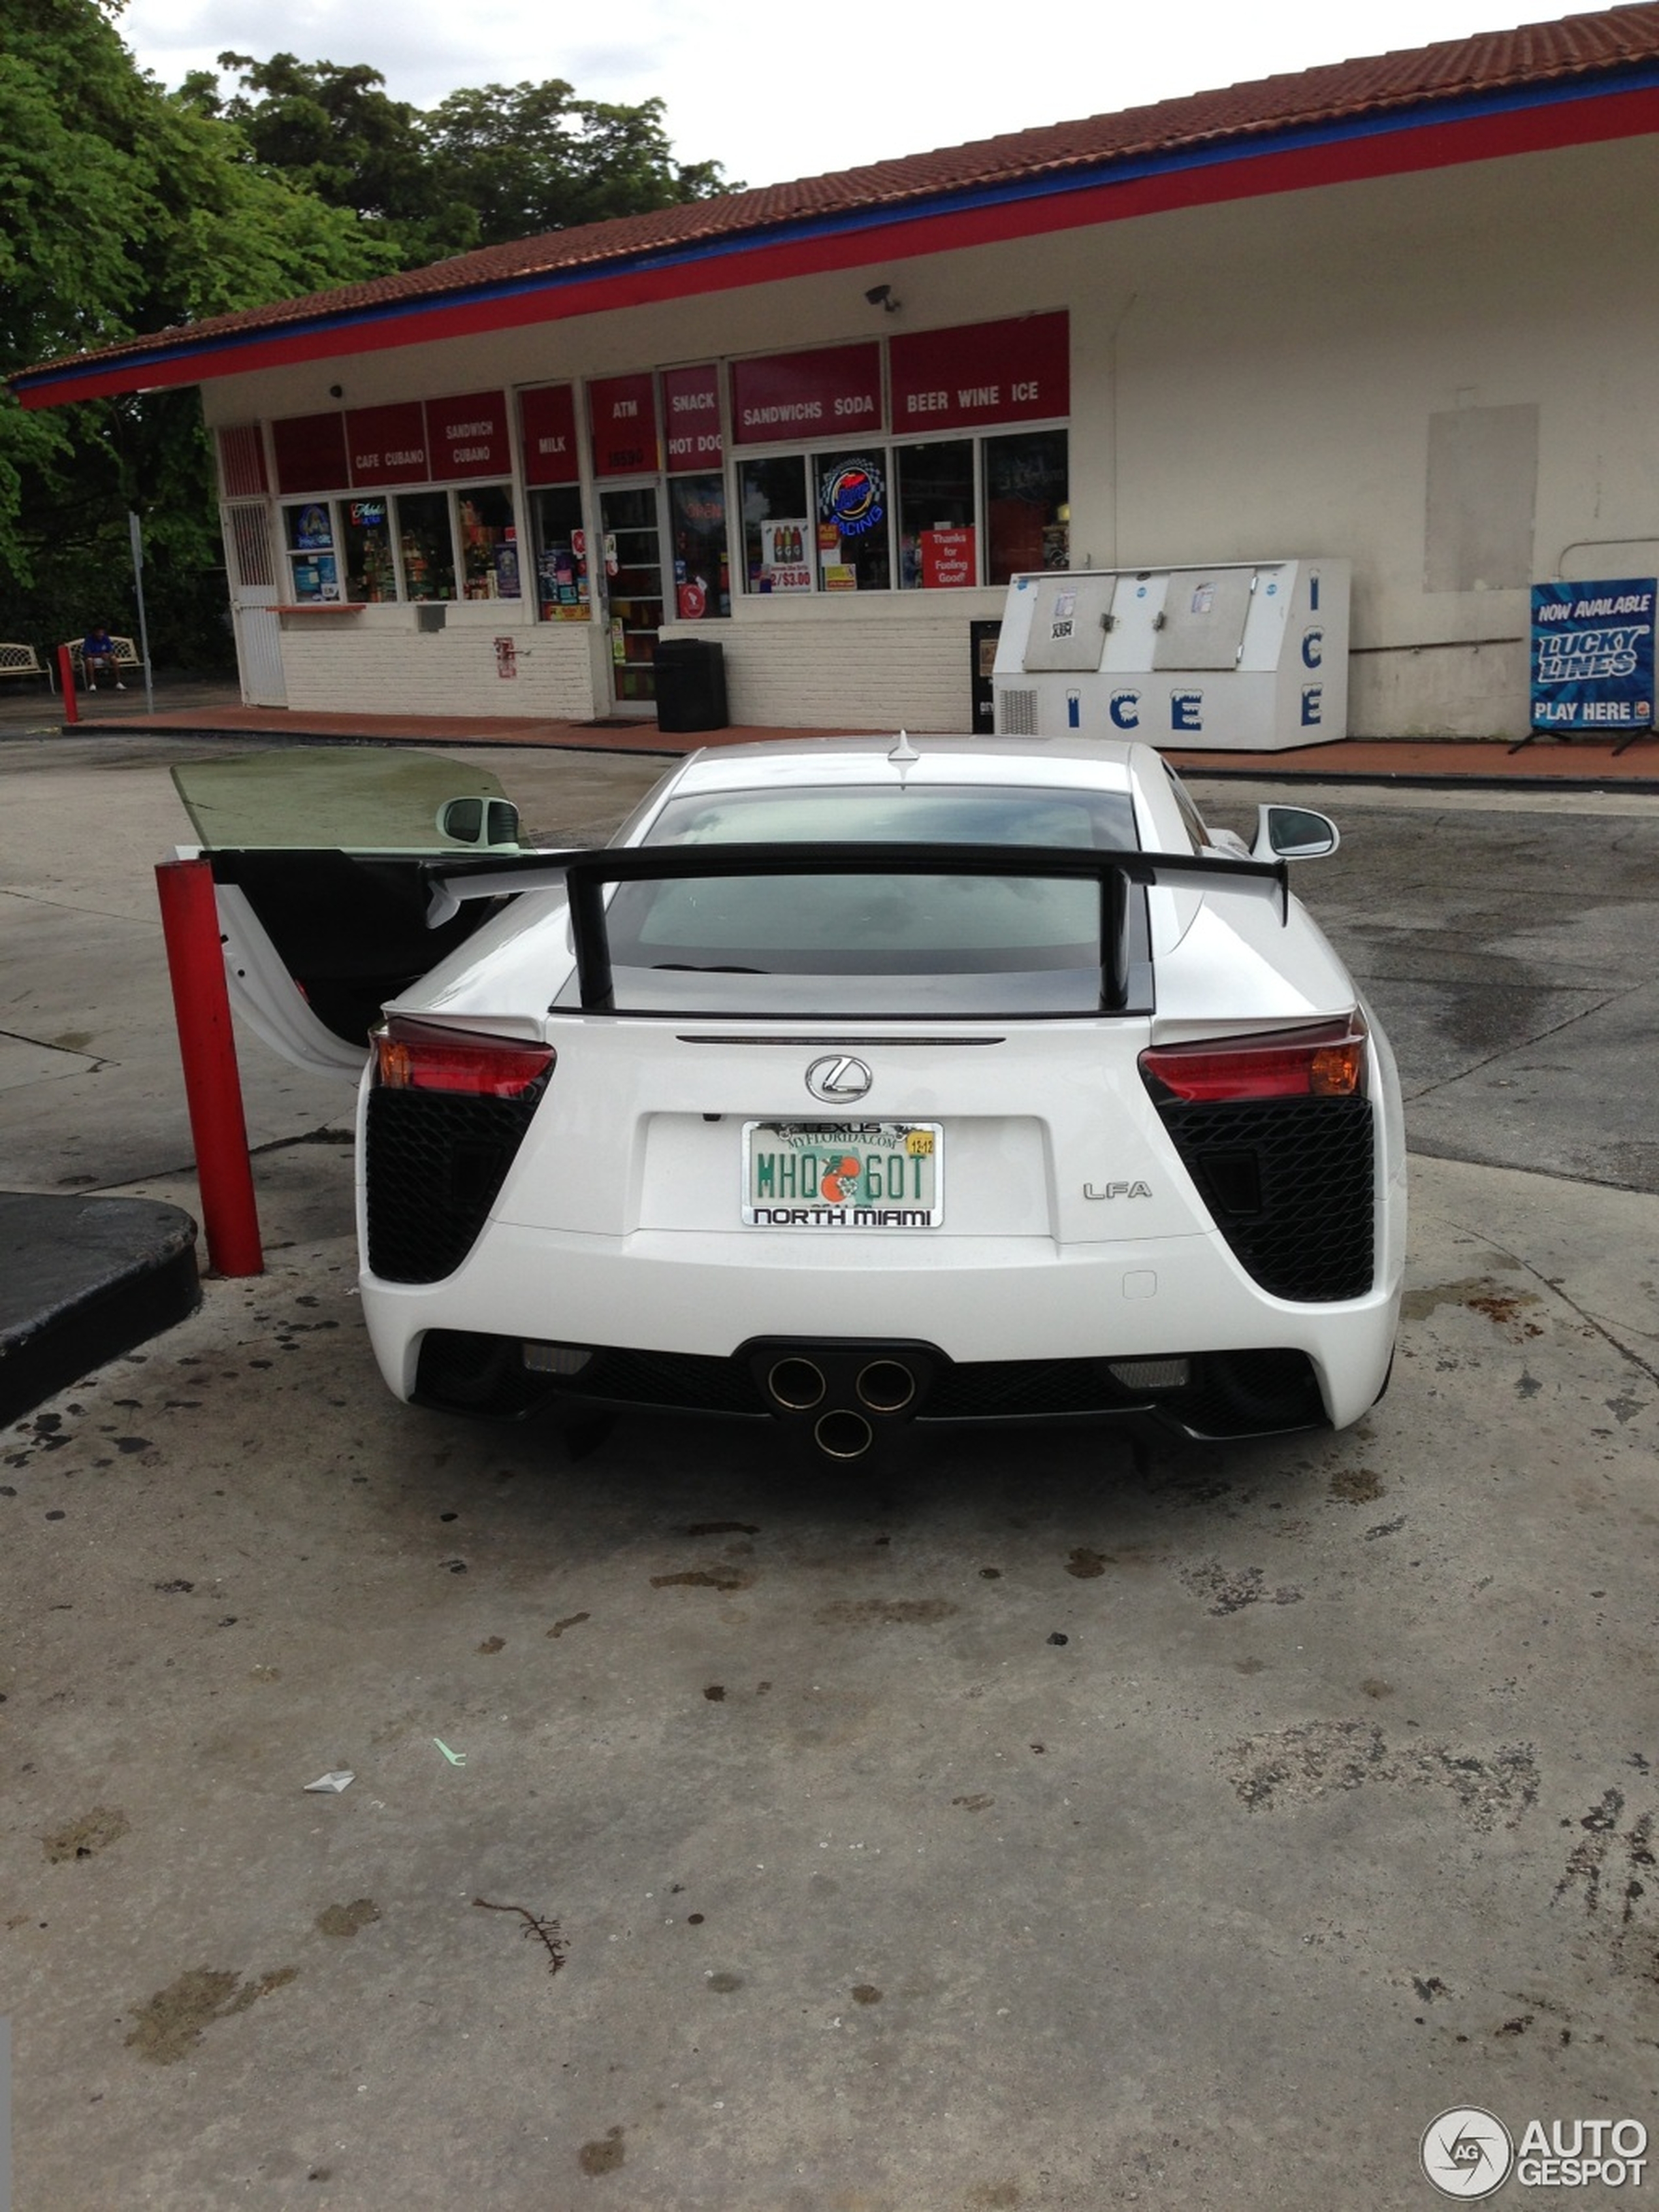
585, 875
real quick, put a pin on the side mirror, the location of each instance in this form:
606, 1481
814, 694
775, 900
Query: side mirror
1293, 833
486, 823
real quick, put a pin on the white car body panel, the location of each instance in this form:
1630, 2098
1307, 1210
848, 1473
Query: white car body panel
1073, 1228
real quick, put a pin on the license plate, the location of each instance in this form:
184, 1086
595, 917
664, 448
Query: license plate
843, 1174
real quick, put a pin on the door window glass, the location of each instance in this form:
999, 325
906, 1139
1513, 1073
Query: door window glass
777, 526
936, 505
703, 581
314, 564
490, 543
632, 568
1027, 516
562, 587
425, 543
853, 530
370, 572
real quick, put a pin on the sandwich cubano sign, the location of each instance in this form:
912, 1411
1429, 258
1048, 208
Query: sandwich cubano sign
1592, 655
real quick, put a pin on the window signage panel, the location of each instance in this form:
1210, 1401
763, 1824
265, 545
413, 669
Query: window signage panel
984, 373
624, 411
825, 393
387, 445
466, 436
691, 411
311, 453
1593, 655
947, 560
548, 421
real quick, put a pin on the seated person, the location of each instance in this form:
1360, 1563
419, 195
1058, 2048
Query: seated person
98, 655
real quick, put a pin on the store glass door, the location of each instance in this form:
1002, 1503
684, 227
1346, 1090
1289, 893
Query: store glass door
631, 529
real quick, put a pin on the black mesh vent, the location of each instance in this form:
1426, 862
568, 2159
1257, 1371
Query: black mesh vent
1248, 1394
1289, 1183
433, 1161
694, 1382
1008, 1389
466, 1373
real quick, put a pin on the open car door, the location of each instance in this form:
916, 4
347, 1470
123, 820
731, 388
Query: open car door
318, 859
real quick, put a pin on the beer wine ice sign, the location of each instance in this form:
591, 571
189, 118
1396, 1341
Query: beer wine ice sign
1593, 656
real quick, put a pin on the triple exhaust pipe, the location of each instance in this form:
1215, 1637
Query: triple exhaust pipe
844, 1395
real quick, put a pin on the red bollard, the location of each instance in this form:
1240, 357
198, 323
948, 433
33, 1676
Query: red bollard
207, 1046
66, 678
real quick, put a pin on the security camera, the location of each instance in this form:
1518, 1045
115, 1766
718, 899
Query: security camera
881, 295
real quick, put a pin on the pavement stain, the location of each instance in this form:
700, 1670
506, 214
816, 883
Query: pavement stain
884, 1612
1613, 1865
1355, 1486
170, 2025
84, 1839
1302, 1765
604, 2154
345, 1920
1230, 1589
1480, 1294
1086, 1565
719, 1579
570, 1620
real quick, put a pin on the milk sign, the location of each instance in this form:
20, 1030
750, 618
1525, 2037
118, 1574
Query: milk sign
1592, 656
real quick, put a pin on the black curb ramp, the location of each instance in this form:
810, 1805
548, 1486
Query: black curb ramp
83, 1280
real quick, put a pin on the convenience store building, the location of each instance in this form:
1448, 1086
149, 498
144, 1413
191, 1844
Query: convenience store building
1401, 312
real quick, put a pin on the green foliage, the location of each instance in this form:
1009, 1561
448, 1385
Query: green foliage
130, 209
528, 158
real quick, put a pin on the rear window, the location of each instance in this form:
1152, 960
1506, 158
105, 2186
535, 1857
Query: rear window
870, 942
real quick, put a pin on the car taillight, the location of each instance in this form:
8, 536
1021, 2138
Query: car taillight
1325, 1062
414, 1056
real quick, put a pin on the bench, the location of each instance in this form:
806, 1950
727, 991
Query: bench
23, 660
126, 657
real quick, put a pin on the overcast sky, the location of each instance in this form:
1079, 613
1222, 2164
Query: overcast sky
773, 91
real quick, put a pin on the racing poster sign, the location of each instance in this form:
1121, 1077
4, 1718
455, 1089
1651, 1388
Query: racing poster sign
1593, 656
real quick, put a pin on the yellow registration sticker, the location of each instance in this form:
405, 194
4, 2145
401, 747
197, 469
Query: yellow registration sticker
919, 1144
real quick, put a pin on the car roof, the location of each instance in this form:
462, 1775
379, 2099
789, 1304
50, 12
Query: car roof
1046, 762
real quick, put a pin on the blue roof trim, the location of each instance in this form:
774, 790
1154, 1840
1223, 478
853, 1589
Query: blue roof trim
1642, 77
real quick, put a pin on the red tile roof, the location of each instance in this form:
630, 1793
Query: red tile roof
1584, 50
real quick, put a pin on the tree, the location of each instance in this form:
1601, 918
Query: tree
131, 209
487, 166
336, 133
128, 210
528, 158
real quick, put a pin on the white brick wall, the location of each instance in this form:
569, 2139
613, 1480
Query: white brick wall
378, 662
885, 664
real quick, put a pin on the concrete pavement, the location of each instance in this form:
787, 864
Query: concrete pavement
1334, 1807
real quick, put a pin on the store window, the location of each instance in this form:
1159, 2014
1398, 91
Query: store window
313, 560
562, 584
490, 543
371, 573
936, 514
425, 545
778, 532
703, 580
1027, 514
855, 529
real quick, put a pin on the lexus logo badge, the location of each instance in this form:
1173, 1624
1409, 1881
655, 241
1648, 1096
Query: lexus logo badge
838, 1079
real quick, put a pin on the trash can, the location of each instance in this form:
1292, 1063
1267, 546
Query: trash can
691, 683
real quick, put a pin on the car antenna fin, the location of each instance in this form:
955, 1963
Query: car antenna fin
904, 751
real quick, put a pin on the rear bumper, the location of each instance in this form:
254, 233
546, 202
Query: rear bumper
991, 1301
